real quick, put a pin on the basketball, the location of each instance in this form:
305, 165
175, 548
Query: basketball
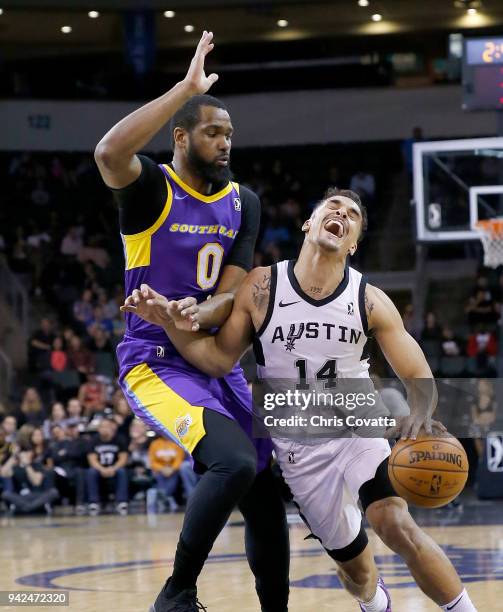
428, 472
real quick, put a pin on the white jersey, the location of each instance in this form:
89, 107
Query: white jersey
307, 338
317, 341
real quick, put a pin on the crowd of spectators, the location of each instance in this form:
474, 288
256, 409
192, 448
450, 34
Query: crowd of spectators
473, 347
70, 454
67, 433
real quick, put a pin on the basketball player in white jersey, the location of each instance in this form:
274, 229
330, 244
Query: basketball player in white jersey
337, 311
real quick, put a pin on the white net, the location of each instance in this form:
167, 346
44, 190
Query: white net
491, 236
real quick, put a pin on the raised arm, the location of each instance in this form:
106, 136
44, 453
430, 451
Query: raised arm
115, 154
406, 358
215, 355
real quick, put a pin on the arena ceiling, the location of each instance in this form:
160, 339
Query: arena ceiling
27, 24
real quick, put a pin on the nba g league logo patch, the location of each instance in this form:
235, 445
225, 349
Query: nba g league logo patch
237, 204
182, 425
351, 308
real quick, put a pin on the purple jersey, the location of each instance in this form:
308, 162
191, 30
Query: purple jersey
183, 253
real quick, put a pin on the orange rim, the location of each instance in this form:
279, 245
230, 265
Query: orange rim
491, 226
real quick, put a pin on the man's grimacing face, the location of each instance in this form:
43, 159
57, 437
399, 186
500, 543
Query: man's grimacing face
208, 145
335, 225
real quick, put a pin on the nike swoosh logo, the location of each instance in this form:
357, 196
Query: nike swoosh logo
455, 604
177, 197
281, 305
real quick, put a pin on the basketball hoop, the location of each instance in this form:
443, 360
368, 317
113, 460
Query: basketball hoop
491, 236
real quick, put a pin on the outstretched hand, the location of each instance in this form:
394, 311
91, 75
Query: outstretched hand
158, 310
196, 78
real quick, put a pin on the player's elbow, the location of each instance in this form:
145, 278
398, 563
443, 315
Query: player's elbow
218, 367
108, 155
104, 154
219, 370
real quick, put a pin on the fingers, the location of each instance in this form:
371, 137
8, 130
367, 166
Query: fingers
414, 429
205, 44
213, 78
187, 302
128, 308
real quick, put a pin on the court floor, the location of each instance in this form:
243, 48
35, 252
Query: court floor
118, 564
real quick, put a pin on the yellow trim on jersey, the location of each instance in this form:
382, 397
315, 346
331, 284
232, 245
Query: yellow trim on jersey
137, 246
195, 194
236, 187
183, 422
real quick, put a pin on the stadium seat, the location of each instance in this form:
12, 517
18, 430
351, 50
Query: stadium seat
452, 366
105, 364
431, 348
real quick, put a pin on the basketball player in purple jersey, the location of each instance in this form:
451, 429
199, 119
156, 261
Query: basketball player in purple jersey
188, 230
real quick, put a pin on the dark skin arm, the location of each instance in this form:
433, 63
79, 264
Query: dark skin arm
115, 154
192, 316
215, 355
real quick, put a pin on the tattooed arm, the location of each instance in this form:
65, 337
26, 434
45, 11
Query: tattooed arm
215, 355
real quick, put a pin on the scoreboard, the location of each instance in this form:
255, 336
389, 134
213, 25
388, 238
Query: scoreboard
483, 74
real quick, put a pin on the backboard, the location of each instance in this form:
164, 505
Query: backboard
456, 183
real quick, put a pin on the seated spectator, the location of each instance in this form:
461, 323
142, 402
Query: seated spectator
451, 346
80, 357
72, 242
107, 456
39, 446
59, 358
83, 308
140, 478
67, 457
75, 410
40, 346
99, 340
99, 320
123, 416
483, 347
483, 415
166, 458
9, 426
109, 305
431, 329
92, 395
6, 447
28, 487
481, 308
57, 415
31, 410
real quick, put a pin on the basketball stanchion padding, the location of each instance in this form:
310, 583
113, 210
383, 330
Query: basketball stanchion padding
429, 472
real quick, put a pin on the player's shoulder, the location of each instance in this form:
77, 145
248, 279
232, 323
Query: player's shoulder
248, 197
379, 307
260, 274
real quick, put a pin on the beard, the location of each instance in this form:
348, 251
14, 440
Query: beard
212, 173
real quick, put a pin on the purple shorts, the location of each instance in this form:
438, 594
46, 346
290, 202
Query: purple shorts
170, 395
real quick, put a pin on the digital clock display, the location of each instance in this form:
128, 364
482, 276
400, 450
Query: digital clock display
483, 74
484, 51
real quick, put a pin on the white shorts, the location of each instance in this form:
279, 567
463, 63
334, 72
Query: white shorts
325, 479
